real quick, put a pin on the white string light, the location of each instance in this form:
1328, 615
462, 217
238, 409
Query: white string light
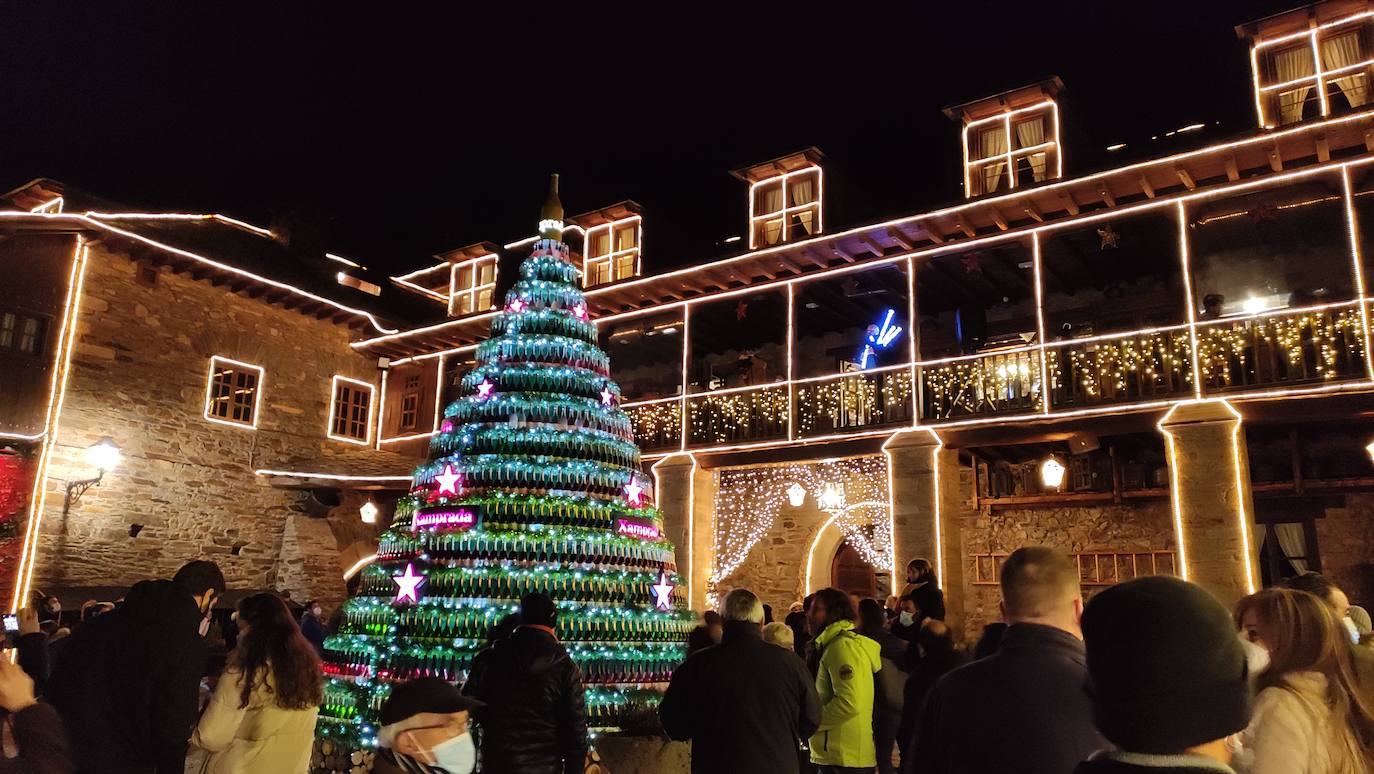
748, 501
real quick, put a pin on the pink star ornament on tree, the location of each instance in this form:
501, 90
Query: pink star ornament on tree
408, 585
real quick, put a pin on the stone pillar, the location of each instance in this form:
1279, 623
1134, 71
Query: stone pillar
1209, 473
685, 494
926, 488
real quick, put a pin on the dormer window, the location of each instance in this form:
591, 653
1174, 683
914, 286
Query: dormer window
473, 283
1011, 140
1013, 150
1324, 71
612, 251
786, 196
612, 243
786, 208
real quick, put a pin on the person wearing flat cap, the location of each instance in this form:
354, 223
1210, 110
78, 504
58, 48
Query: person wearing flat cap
1167, 678
424, 730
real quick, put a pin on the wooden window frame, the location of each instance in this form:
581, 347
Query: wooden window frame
212, 399
1048, 112
605, 268
1262, 57
337, 385
758, 221
410, 403
474, 290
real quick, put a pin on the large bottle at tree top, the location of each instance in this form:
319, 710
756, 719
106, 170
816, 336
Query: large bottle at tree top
533, 484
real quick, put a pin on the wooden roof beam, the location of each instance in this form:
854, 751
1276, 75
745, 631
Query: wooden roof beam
844, 255
1069, 204
1369, 139
1106, 195
998, 219
1030, 209
1323, 149
1232, 170
1275, 158
934, 231
1146, 187
963, 224
900, 238
1185, 176
872, 244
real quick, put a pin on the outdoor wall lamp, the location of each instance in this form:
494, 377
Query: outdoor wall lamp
368, 512
103, 455
1052, 473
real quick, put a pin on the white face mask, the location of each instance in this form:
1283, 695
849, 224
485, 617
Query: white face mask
906, 618
204, 625
1351, 630
456, 755
1256, 656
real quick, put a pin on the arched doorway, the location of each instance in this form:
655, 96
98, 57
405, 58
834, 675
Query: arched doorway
849, 572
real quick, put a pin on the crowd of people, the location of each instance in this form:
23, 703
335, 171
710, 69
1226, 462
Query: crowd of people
1150, 675
1153, 674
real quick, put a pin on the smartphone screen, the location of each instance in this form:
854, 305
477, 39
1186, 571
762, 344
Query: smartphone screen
11, 623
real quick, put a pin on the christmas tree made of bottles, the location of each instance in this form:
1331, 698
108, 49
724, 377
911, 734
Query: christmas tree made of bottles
533, 484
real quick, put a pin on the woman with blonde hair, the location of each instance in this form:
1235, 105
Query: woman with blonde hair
1311, 714
262, 716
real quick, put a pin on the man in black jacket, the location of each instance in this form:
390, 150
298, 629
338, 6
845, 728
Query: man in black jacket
535, 717
1025, 708
128, 683
743, 703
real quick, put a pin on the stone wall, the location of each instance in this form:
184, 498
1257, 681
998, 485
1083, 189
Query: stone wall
1140, 526
139, 375
1345, 540
776, 566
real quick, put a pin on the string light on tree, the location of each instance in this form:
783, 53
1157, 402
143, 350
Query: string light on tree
533, 483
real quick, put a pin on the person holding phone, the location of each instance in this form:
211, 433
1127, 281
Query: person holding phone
36, 729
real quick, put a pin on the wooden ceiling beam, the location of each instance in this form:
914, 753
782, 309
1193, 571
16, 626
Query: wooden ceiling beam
900, 238
1106, 195
935, 234
997, 218
1275, 157
1070, 205
1323, 149
1232, 170
1030, 209
872, 244
1186, 177
1146, 187
964, 226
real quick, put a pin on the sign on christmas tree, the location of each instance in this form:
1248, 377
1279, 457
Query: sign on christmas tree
533, 484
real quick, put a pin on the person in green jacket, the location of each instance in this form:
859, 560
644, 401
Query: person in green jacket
848, 661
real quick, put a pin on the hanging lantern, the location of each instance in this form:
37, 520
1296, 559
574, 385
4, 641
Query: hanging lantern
1052, 473
796, 494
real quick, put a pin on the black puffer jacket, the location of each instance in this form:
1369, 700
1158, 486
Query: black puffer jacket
128, 682
535, 718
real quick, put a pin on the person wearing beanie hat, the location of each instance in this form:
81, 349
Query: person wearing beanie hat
534, 716
1023, 709
424, 730
1167, 677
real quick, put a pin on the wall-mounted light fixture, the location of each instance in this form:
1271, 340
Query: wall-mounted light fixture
368, 512
1052, 473
104, 455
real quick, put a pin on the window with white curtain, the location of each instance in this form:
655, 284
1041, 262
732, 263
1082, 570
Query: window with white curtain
1320, 72
786, 207
612, 251
1015, 149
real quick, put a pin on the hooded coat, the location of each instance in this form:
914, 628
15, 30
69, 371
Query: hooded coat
127, 686
844, 680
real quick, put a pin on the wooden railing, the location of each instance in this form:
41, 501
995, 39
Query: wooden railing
1095, 568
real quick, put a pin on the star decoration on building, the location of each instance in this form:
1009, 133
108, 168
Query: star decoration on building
516, 305
484, 389
449, 481
580, 311
408, 585
607, 397
1108, 236
634, 493
663, 592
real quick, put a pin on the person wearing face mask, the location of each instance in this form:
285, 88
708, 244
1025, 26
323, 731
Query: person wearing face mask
128, 682
312, 626
1312, 715
924, 590
424, 730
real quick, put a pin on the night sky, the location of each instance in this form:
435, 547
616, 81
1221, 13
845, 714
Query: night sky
416, 130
